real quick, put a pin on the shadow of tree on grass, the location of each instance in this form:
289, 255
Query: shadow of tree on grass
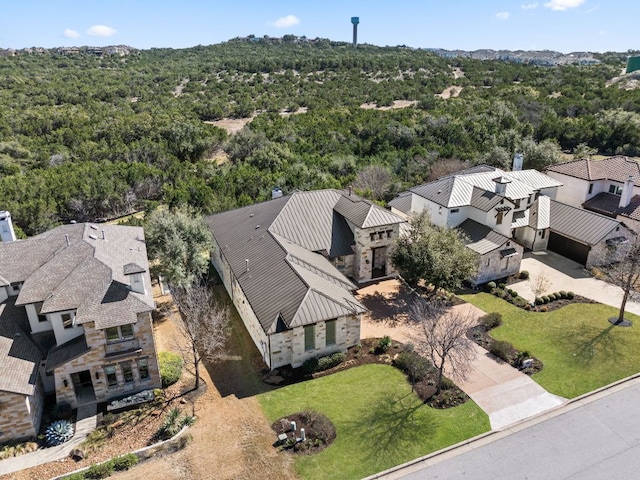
591, 342
392, 424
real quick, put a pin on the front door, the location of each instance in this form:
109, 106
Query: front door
83, 387
379, 262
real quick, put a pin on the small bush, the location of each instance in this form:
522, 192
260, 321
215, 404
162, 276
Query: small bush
543, 308
513, 293
545, 299
553, 297
330, 361
415, 366
520, 302
383, 344
310, 366
491, 285
500, 349
527, 307
170, 368
570, 295
125, 462
101, 470
501, 286
563, 294
75, 476
524, 275
491, 320
170, 426
539, 301
447, 384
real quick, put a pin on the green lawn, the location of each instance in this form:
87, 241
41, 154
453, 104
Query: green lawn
580, 349
379, 422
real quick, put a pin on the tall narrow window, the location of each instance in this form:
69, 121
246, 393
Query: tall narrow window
67, 320
110, 374
127, 372
591, 188
499, 218
143, 368
309, 337
330, 332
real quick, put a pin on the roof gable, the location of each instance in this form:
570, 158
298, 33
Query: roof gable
480, 238
617, 169
579, 224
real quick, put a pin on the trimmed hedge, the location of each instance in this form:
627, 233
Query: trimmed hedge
315, 364
170, 367
491, 320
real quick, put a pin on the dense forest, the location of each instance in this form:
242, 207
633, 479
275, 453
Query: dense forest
84, 137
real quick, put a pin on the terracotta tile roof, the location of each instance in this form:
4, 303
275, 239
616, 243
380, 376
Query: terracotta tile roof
608, 204
616, 168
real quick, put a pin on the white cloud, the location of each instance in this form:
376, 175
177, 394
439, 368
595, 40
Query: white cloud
529, 6
563, 4
284, 22
71, 33
502, 15
101, 31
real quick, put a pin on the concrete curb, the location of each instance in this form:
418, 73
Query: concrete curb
143, 453
459, 448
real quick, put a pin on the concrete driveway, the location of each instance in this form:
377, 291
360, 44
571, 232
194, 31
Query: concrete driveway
505, 394
564, 274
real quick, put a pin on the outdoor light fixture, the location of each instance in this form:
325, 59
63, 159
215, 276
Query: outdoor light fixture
66, 384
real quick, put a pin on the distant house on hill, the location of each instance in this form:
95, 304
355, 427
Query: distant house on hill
286, 263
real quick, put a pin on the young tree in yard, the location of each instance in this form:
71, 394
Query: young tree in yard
539, 284
621, 267
204, 327
180, 242
435, 254
443, 337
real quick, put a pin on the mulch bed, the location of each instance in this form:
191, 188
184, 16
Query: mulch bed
365, 353
318, 429
480, 335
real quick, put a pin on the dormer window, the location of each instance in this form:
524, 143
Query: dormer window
68, 320
136, 277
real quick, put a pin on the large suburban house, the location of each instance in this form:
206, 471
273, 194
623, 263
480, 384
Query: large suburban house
610, 186
75, 320
289, 265
491, 207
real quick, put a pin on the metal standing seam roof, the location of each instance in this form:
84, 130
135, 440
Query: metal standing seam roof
534, 179
364, 214
520, 219
579, 224
485, 200
285, 280
403, 202
616, 168
480, 238
540, 213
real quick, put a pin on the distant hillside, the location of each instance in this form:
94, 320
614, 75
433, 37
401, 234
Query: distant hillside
90, 136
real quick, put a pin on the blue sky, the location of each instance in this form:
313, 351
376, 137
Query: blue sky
562, 25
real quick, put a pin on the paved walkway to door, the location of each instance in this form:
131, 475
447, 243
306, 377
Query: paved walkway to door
86, 422
504, 393
564, 274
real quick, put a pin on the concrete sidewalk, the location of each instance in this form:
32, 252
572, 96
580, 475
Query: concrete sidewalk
505, 394
564, 274
86, 422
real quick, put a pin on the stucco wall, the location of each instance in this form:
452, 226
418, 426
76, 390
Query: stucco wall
575, 191
63, 335
532, 239
3, 294
35, 324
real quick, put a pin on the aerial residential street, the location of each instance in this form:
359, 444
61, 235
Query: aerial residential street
596, 438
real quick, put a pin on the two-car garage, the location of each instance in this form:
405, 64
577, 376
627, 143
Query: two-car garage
567, 247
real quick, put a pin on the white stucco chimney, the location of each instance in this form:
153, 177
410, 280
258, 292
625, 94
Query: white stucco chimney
518, 160
7, 234
276, 192
501, 185
627, 192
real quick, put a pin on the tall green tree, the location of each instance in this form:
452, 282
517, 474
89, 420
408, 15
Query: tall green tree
437, 255
179, 241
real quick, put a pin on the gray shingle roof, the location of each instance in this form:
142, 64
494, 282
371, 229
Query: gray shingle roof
579, 224
66, 352
286, 283
131, 268
616, 168
19, 357
480, 238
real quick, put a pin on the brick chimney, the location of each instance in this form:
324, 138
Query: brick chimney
627, 192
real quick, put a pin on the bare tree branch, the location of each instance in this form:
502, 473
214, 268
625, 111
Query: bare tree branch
443, 337
204, 326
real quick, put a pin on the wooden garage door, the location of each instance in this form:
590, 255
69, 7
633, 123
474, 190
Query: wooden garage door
568, 248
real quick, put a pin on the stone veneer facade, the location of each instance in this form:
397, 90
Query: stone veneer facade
367, 239
114, 354
20, 414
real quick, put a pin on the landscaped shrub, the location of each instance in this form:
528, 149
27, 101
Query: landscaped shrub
520, 302
170, 426
58, 432
553, 297
310, 366
383, 344
170, 367
101, 470
415, 366
527, 307
563, 294
539, 301
447, 384
501, 286
491, 320
543, 308
513, 293
330, 361
491, 286
570, 295
75, 476
524, 275
545, 299
500, 349
125, 462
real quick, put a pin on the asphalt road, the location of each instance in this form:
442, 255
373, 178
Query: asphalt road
593, 439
